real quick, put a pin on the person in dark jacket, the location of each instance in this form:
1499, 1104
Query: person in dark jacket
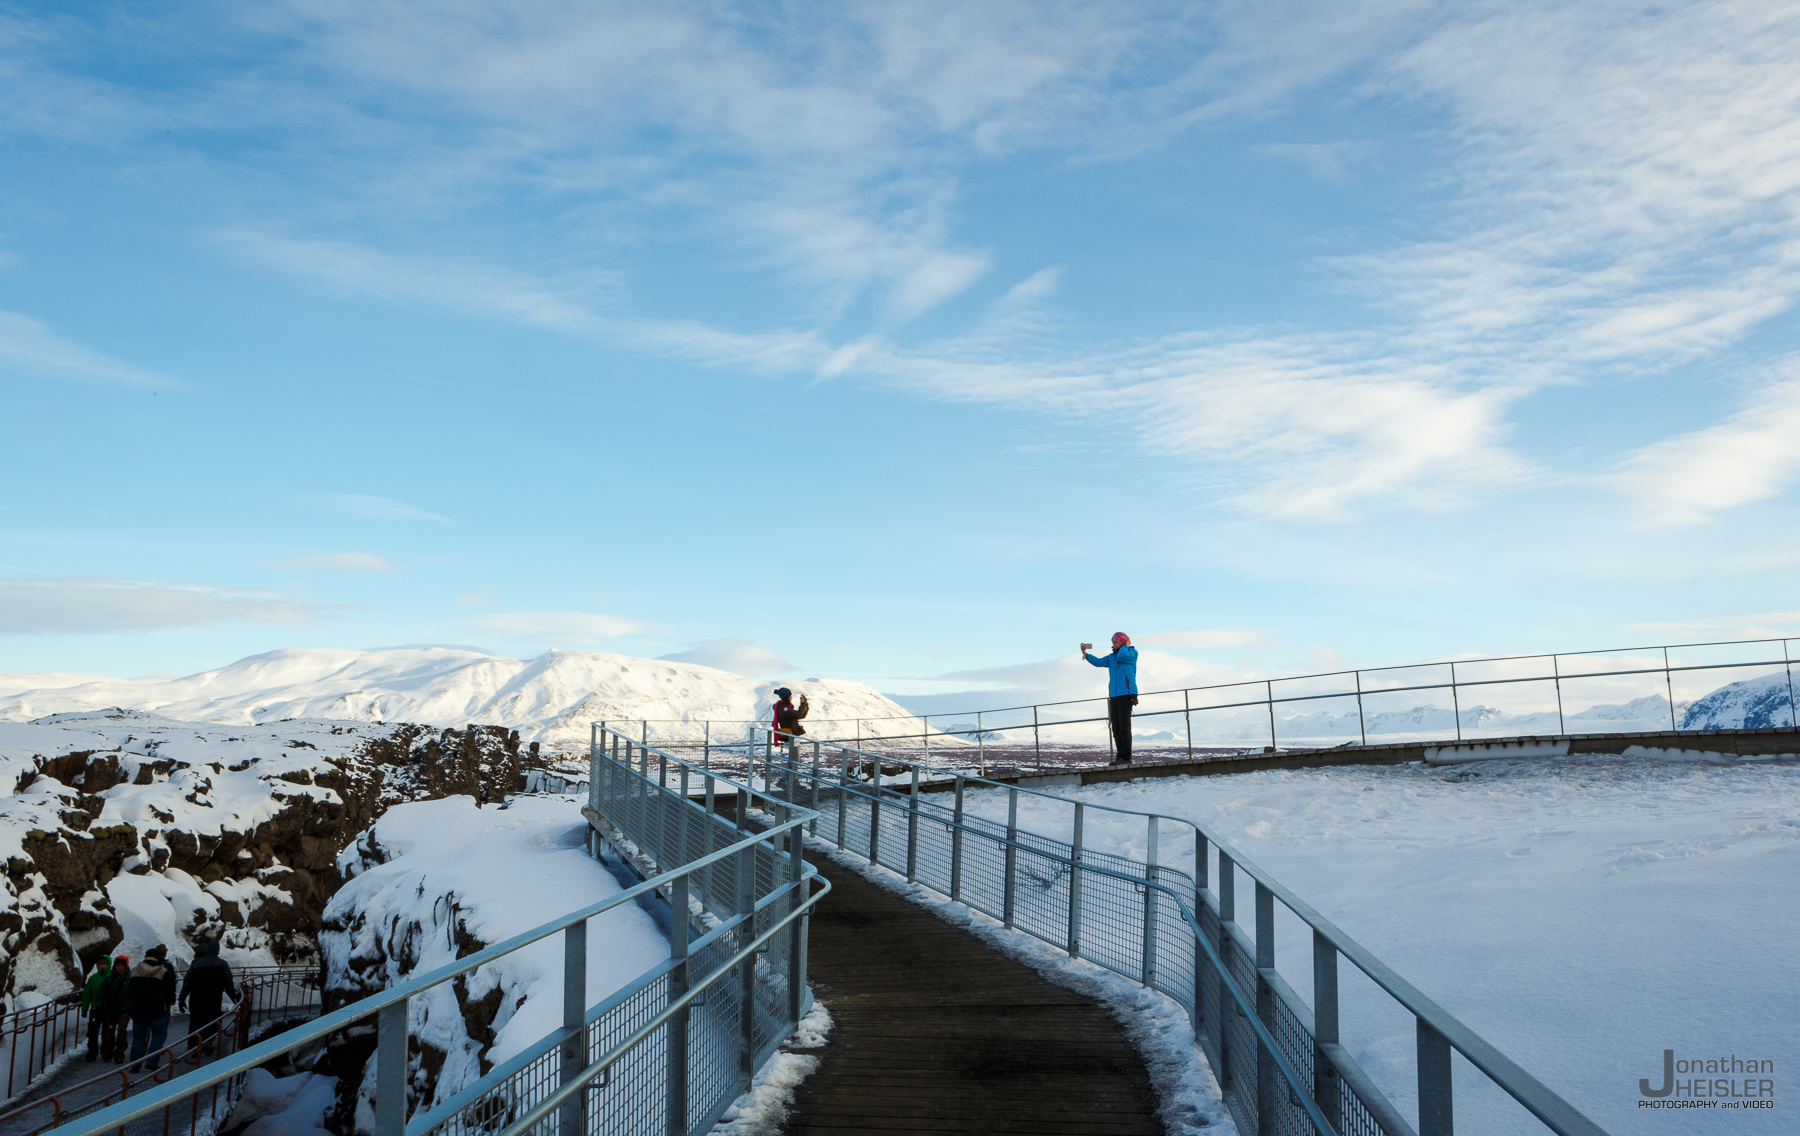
786, 723
1121, 690
114, 1007
90, 1003
152, 997
207, 982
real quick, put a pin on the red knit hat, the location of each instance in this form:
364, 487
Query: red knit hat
1120, 639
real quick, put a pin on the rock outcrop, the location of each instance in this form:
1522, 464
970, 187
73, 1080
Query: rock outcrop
121, 828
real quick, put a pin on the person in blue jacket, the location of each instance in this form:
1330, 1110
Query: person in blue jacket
1121, 690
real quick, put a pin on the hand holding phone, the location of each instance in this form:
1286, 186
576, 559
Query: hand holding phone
1086, 647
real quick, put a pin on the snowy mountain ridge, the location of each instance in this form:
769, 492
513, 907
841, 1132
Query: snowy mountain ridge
550, 699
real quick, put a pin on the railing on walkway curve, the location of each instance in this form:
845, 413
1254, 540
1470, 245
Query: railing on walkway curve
1499, 696
267, 995
33, 1040
666, 1054
1282, 1064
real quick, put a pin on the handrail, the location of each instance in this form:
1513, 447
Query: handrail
1359, 690
1530, 1092
116, 1115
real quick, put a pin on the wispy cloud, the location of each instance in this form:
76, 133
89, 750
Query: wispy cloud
381, 508
28, 346
739, 656
332, 562
1751, 456
50, 605
554, 627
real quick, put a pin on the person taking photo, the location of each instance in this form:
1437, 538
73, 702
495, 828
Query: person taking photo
1121, 691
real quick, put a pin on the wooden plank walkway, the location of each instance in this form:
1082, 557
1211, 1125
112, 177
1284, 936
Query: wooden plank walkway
935, 1031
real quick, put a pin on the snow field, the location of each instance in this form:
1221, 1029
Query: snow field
1581, 914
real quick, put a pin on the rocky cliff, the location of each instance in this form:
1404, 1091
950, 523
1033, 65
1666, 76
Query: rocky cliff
121, 829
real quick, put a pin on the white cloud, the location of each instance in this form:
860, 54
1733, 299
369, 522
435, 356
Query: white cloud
332, 562
27, 345
554, 627
47, 605
381, 508
1751, 456
739, 656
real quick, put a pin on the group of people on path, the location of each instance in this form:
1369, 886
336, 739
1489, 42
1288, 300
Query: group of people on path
1121, 696
120, 1000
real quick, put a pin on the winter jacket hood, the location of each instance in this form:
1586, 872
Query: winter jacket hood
152, 990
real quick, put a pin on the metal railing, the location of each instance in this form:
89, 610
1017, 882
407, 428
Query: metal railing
35, 1039
1498, 696
1282, 1063
665, 1054
267, 994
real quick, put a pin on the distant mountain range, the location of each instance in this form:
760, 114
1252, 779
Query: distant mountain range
549, 699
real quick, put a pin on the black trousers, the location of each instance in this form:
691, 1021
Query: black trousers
1119, 710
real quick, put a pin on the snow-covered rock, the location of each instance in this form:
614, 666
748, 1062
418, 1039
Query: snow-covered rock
551, 699
120, 830
435, 881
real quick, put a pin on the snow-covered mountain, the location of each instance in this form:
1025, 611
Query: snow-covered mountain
1754, 704
549, 699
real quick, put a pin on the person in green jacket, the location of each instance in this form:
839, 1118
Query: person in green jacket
90, 1003
114, 1005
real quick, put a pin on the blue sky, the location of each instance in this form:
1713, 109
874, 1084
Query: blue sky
902, 342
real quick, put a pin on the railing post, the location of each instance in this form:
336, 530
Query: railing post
843, 794
956, 845
1669, 685
1012, 856
912, 828
1556, 676
1201, 967
1437, 1116
814, 823
1455, 703
1227, 892
1150, 911
1793, 713
1269, 689
927, 722
980, 745
1187, 714
1075, 887
679, 981
746, 906
1325, 1028
1268, 1077
574, 1047
390, 1069
875, 814
1362, 723
706, 746
796, 928
1037, 742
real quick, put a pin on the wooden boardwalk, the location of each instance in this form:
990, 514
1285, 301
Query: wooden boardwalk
935, 1031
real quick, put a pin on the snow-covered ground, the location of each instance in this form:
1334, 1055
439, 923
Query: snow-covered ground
550, 699
1583, 914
